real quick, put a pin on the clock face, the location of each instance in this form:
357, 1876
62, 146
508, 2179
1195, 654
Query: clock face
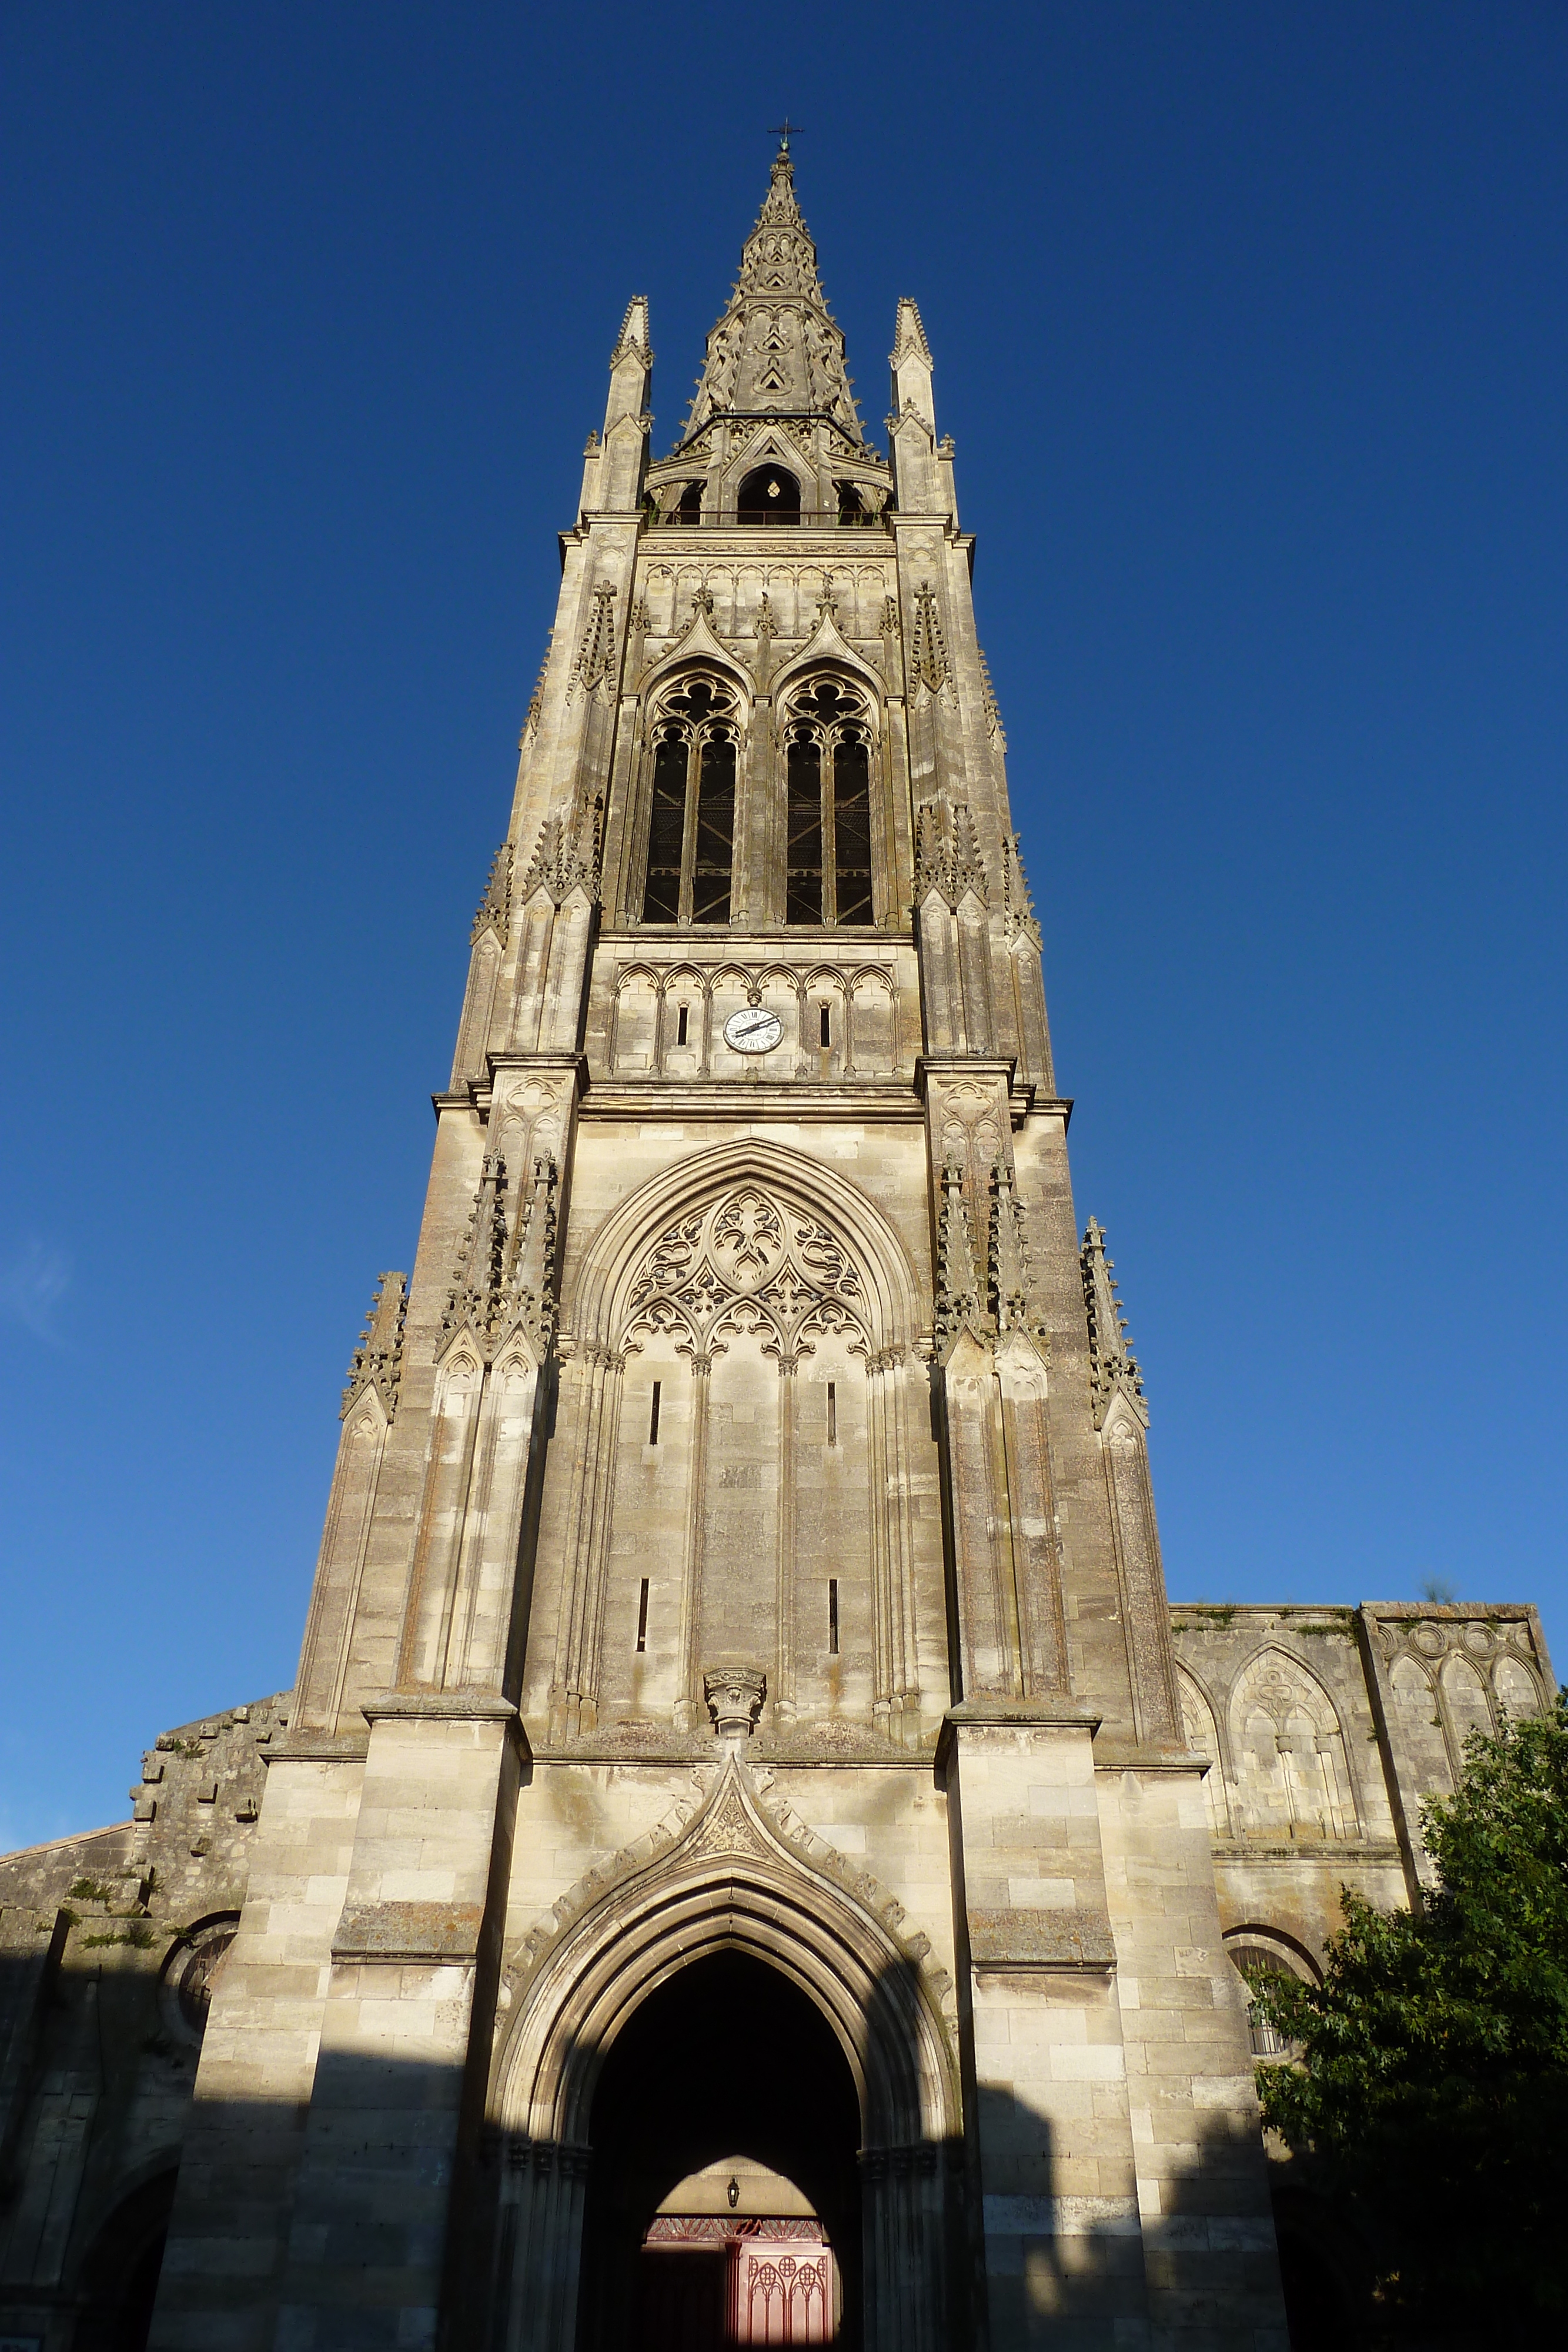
754, 1031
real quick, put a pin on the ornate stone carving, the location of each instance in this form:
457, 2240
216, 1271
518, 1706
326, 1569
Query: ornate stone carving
567, 855
929, 663
596, 654
1017, 907
989, 705
776, 347
536, 703
495, 908
959, 1303
504, 1278
948, 859
377, 1362
1010, 1282
746, 1262
734, 1695
1113, 1369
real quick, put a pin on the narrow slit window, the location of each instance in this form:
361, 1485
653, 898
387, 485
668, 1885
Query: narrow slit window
803, 851
833, 1413
666, 831
852, 831
681, 1025
643, 1616
827, 1026
653, 1415
833, 1616
828, 739
716, 833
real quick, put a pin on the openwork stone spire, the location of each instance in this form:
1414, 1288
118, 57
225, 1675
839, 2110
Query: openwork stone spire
776, 352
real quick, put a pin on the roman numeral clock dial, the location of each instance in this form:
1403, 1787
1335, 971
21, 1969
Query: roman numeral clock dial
755, 1031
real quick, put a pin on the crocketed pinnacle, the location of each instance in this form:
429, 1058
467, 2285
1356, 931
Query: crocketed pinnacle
1112, 1364
776, 350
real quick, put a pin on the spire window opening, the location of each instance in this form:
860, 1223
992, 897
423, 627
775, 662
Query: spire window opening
690, 510
828, 786
851, 506
690, 822
769, 494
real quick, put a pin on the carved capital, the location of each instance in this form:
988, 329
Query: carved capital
735, 1694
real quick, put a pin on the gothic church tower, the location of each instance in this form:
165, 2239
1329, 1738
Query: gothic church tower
736, 1723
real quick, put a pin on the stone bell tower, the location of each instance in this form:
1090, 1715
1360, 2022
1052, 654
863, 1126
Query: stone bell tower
741, 1552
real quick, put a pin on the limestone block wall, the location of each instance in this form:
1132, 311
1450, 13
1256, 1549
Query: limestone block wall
1326, 1729
111, 1947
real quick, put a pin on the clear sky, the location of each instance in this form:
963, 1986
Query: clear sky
1250, 325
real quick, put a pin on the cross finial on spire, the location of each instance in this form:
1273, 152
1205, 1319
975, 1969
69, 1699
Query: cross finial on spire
783, 131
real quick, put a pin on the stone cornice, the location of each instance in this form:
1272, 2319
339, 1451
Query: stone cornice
726, 1098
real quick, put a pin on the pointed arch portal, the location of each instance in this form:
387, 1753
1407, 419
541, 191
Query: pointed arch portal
621, 2075
727, 2060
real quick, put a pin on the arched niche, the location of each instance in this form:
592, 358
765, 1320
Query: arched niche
1518, 1691
1467, 1705
1200, 1728
1293, 1771
744, 1327
1420, 1744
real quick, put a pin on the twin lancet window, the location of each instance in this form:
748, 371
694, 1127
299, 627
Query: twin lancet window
692, 830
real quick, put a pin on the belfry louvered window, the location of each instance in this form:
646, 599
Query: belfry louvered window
826, 764
690, 822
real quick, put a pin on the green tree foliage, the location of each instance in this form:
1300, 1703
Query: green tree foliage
1431, 2083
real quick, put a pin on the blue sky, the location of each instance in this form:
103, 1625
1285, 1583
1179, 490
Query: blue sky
1249, 327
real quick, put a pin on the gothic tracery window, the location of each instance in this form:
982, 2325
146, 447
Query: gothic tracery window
690, 828
827, 759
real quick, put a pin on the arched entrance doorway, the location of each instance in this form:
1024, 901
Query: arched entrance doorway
726, 1882
119, 2277
728, 2063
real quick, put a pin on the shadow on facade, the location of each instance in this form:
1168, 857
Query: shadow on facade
725, 2056
88, 2158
